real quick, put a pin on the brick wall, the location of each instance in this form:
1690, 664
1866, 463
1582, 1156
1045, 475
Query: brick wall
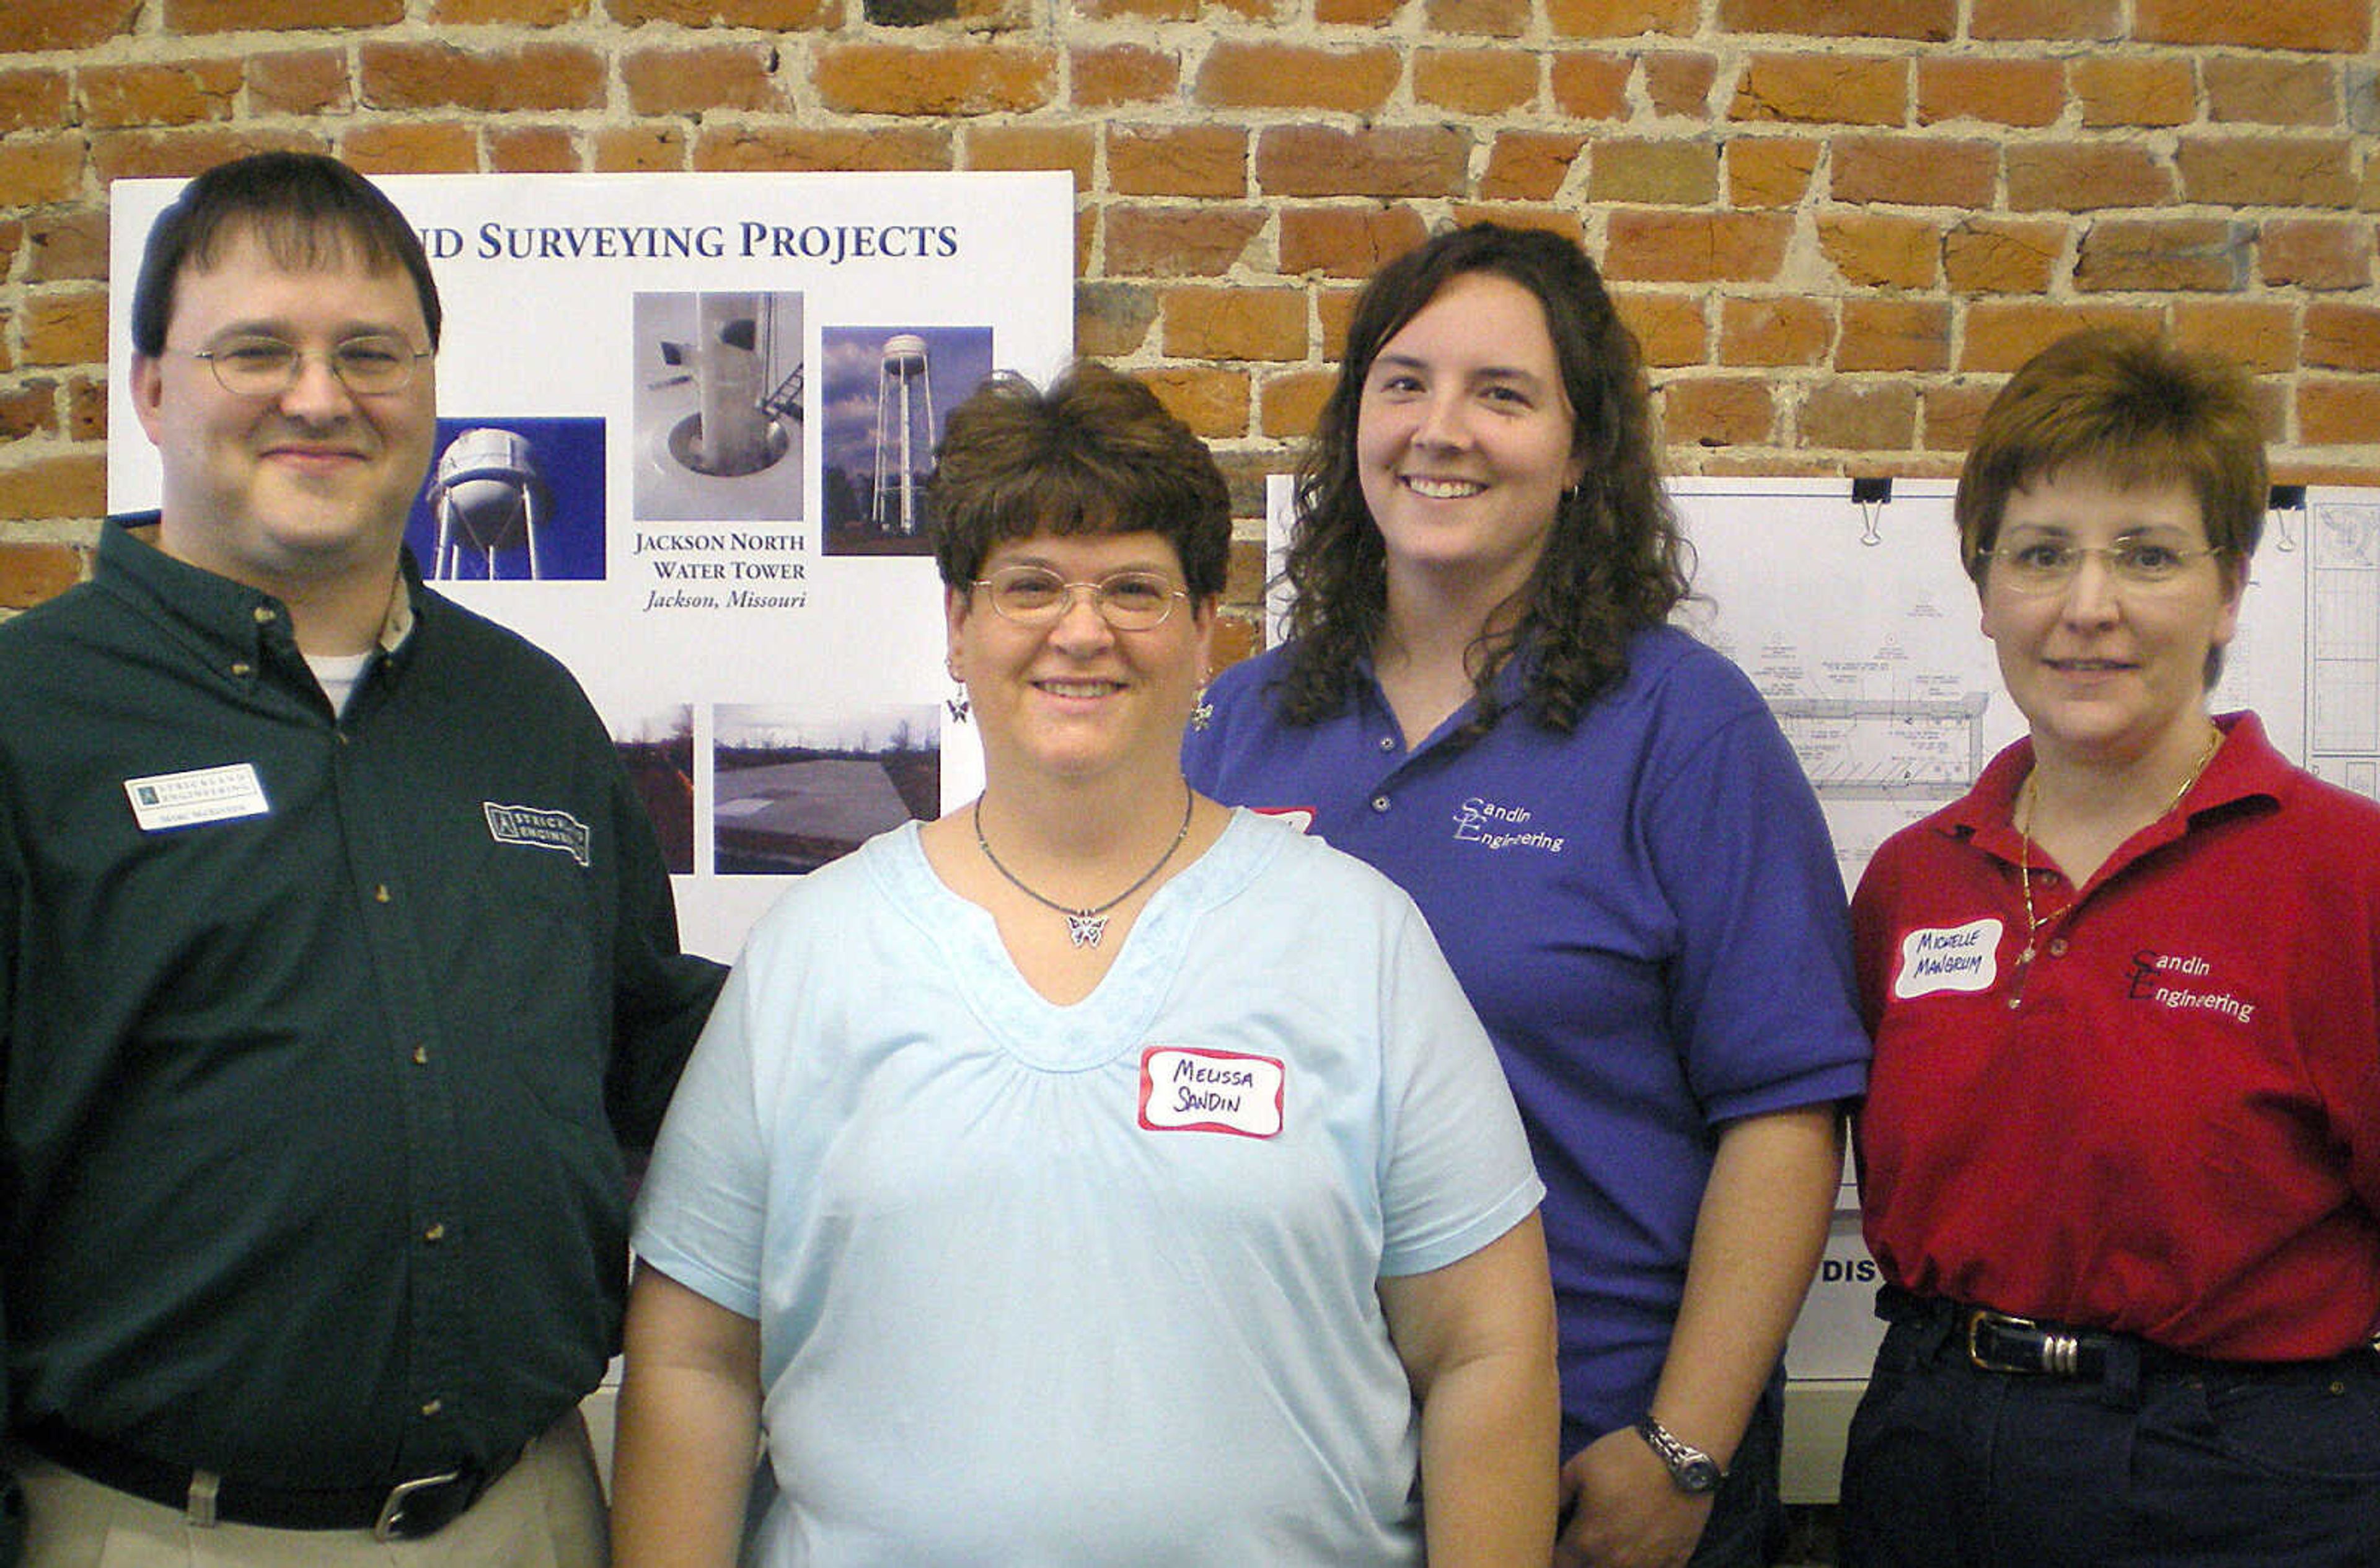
1837, 224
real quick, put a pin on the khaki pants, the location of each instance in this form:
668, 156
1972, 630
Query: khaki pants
547, 1512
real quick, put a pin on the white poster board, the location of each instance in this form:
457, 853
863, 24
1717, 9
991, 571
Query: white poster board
683, 423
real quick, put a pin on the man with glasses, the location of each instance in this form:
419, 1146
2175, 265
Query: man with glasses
337, 962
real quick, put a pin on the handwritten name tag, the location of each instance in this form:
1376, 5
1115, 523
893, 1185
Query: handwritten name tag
1949, 958
1210, 1091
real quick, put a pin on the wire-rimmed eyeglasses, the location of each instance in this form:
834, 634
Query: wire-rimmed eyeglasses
1036, 596
2046, 565
373, 365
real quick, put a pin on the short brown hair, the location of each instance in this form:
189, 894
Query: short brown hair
1096, 454
2131, 409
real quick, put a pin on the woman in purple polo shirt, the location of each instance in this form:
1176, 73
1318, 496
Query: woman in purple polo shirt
1609, 837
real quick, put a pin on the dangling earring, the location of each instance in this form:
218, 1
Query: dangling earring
958, 701
1202, 713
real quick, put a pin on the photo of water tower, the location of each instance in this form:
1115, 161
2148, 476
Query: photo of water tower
885, 393
511, 500
719, 407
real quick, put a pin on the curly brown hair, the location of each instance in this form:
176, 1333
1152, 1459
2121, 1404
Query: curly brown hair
1615, 562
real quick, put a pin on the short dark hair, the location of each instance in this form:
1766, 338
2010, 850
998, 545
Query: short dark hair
1615, 562
2133, 410
303, 207
1096, 452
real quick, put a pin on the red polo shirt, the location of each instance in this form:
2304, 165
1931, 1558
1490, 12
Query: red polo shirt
2168, 1122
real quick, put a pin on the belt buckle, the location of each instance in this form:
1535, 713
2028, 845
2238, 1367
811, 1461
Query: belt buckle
394, 1523
1977, 1318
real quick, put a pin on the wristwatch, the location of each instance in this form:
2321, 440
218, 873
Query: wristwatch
1692, 1471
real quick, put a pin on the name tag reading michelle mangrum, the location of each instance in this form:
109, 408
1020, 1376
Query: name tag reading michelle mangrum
1949, 958
164, 801
1210, 1091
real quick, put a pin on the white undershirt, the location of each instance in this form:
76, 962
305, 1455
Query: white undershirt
337, 674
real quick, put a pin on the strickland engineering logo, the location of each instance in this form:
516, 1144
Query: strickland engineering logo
540, 829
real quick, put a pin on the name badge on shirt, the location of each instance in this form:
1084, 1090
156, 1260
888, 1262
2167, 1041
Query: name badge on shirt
1210, 1091
162, 801
1949, 958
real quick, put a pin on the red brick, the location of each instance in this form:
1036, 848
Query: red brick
2262, 337
1333, 306
695, 79
513, 12
1234, 323
30, 572
1288, 405
1213, 403
1867, 90
1111, 320
2256, 90
768, 151
1717, 411
531, 149
1201, 241
1670, 329
1893, 334
1680, 83
413, 147
1860, 416
2336, 413
1621, 19
152, 155
2079, 177
1588, 86
976, 78
1528, 166
1123, 73
1774, 331
190, 17
1953, 413
1695, 247
35, 26
1479, 19
1199, 160
1474, 81
1346, 242
29, 409
437, 76
1319, 161
1027, 147
65, 245
1553, 220
71, 486
770, 16
2268, 171
1159, 11
2014, 19
639, 149
43, 169
64, 326
1915, 171
300, 82
1656, 172
2127, 89
2002, 255
2002, 334
2336, 26
2343, 337
1879, 251
2011, 92
2172, 255
2316, 253
1769, 171
1929, 21
182, 94
34, 99
1339, 13
1273, 76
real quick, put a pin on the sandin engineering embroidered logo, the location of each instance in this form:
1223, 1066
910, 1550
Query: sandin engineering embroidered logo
1492, 826
540, 829
2162, 979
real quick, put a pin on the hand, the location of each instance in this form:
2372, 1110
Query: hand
1624, 1510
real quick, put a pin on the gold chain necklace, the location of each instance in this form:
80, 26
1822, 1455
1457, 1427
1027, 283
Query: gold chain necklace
2032, 922
1086, 925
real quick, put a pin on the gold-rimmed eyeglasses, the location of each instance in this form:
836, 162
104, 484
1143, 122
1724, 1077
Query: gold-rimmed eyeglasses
2047, 565
370, 366
1036, 596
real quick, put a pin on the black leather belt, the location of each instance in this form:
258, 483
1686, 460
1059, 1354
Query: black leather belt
407, 1511
1999, 1342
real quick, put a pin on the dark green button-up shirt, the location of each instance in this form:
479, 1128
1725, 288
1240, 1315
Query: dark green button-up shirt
319, 1036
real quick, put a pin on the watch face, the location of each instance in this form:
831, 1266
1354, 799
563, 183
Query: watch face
1696, 1476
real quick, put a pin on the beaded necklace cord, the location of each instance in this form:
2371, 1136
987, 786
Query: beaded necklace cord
1086, 925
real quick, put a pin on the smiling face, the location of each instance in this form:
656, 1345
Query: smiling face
1464, 437
309, 487
2107, 672
1076, 698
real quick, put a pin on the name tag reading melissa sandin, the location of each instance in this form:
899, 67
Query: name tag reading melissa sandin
1183, 1091
164, 801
